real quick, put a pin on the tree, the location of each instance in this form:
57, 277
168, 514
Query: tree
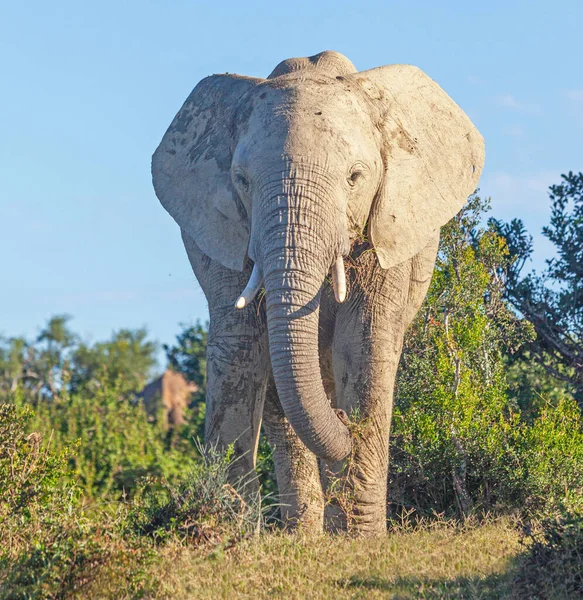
127, 358
12, 363
454, 423
58, 361
38, 366
553, 300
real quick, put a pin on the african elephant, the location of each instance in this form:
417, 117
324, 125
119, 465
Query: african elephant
326, 187
171, 392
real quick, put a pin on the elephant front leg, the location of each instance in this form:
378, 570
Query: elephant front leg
367, 346
237, 363
356, 489
299, 490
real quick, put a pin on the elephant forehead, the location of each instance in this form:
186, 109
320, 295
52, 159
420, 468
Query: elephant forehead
298, 93
298, 110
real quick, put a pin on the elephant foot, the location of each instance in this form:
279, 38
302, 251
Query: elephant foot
369, 524
355, 519
306, 516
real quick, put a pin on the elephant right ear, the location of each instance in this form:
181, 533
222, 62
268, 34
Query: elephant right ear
191, 170
433, 159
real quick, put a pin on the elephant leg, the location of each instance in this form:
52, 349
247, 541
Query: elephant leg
237, 364
296, 468
366, 351
367, 347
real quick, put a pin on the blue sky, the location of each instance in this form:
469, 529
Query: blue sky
88, 89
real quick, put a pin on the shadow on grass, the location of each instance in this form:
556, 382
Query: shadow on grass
556, 574
496, 587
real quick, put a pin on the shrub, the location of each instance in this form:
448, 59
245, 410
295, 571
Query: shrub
30, 472
550, 458
553, 567
454, 424
54, 546
50, 545
117, 443
461, 443
62, 549
202, 507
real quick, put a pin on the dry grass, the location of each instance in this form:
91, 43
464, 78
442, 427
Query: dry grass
442, 561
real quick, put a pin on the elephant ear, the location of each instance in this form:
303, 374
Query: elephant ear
191, 170
433, 160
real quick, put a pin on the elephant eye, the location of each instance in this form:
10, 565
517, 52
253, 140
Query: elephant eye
354, 177
241, 181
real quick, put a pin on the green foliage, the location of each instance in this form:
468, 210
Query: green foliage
549, 473
54, 546
88, 440
530, 384
126, 361
265, 470
553, 300
83, 394
30, 471
47, 539
117, 442
63, 550
202, 506
37, 366
553, 567
461, 442
57, 361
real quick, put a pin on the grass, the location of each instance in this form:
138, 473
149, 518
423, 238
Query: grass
201, 537
439, 561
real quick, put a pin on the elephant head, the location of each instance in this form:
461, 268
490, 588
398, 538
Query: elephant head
288, 170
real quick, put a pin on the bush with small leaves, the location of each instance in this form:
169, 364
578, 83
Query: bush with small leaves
461, 442
553, 567
203, 506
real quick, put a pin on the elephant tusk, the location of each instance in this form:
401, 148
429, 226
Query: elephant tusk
339, 279
250, 291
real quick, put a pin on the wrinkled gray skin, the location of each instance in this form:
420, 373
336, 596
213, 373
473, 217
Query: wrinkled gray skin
289, 173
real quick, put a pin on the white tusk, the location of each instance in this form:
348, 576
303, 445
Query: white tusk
250, 291
339, 279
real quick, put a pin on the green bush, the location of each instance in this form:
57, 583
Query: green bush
462, 443
30, 471
51, 545
204, 506
54, 545
550, 465
117, 442
553, 566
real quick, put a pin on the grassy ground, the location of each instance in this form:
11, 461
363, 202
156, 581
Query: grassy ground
439, 562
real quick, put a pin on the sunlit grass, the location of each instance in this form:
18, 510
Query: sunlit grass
441, 561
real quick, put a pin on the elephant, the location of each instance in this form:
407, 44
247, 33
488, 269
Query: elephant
310, 205
170, 392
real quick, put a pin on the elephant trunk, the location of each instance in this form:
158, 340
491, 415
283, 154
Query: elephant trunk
300, 243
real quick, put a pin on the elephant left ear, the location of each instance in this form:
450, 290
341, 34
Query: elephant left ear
433, 160
191, 169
